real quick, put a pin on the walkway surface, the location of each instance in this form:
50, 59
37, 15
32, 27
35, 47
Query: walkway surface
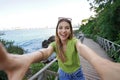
89, 71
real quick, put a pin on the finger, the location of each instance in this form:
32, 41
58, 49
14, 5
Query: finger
3, 53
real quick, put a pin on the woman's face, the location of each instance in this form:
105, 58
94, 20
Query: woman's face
63, 31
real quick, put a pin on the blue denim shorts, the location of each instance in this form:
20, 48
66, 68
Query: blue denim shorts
77, 75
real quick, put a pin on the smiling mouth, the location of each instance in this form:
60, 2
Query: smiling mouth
63, 35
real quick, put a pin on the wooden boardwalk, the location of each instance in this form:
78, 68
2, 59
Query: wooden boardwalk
88, 70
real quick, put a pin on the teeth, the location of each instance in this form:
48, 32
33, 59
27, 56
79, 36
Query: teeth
63, 35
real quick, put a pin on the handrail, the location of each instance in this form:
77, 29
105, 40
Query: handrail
109, 46
42, 70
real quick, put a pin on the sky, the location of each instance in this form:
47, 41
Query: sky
41, 13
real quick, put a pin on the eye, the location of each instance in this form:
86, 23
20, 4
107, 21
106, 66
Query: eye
67, 27
60, 27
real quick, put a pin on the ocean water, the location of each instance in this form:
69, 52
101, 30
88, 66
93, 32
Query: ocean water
30, 40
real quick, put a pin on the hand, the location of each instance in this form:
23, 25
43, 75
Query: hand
109, 70
14, 65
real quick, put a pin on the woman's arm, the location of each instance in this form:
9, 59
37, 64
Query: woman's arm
106, 69
40, 54
16, 65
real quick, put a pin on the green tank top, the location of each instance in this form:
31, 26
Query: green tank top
73, 62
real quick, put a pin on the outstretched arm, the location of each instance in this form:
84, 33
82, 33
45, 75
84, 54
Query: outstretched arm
106, 69
16, 65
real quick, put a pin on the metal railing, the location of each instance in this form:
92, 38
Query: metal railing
112, 48
42, 74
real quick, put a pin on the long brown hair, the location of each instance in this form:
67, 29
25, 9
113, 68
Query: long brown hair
61, 54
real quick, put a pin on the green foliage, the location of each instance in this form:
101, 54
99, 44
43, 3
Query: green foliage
36, 67
15, 50
106, 23
115, 55
118, 59
11, 48
54, 67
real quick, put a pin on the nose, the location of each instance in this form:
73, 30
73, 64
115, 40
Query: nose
63, 30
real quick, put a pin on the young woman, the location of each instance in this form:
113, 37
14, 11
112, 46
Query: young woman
67, 49
67, 54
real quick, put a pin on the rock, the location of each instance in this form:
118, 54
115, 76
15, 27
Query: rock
45, 43
51, 39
